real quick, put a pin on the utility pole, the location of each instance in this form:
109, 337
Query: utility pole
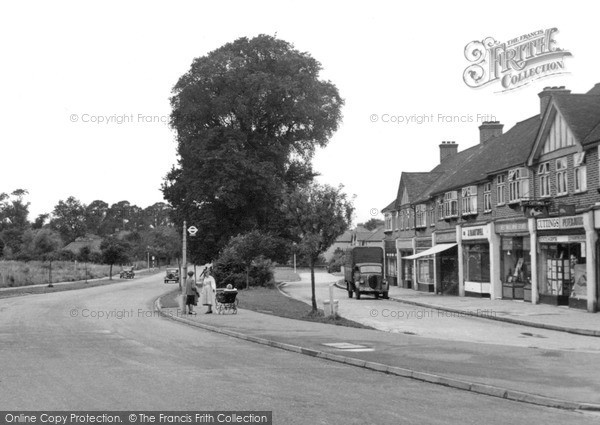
184, 255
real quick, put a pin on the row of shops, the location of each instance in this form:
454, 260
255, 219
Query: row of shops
538, 260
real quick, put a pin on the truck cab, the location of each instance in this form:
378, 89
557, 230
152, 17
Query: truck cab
363, 272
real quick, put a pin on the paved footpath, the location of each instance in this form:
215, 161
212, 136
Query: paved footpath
544, 316
545, 377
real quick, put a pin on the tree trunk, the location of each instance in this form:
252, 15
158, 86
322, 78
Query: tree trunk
50, 285
247, 277
110, 273
312, 285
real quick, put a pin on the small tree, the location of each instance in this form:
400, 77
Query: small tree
46, 244
318, 214
114, 251
84, 256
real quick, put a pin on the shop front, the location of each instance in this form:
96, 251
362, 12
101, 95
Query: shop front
447, 264
476, 261
562, 261
426, 262
404, 248
424, 265
391, 262
515, 259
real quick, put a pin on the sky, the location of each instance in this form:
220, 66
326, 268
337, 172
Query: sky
85, 86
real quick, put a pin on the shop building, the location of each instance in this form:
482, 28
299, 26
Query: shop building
515, 216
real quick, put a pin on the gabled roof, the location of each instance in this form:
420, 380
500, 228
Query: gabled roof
377, 234
390, 207
582, 113
415, 183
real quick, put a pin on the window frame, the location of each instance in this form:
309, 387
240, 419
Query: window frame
501, 190
562, 177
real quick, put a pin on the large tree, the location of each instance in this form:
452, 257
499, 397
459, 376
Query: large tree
13, 220
68, 219
248, 117
319, 214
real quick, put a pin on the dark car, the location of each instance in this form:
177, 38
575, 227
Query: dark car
172, 275
127, 273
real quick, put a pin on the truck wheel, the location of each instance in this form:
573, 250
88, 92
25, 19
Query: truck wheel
386, 296
376, 295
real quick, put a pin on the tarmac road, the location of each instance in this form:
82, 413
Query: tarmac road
105, 348
395, 317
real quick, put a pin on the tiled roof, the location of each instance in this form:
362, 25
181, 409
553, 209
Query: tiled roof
390, 207
377, 234
478, 162
582, 113
416, 183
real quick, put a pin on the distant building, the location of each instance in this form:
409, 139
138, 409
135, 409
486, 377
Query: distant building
91, 241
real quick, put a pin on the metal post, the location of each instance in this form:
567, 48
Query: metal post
148, 259
294, 262
184, 253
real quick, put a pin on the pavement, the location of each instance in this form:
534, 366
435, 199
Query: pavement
550, 378
543, 316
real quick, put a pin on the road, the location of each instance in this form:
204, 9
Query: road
104, 348
395, 317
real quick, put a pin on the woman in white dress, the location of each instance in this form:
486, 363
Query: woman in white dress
209, 289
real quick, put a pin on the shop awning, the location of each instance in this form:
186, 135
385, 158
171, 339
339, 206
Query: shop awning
434, 250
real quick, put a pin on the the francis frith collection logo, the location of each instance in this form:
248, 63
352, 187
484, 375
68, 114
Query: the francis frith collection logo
516, 62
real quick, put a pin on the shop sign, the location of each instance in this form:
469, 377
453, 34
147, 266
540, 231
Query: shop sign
512, 227
571, 222
423, 243
476, 232
562, 239
404, 244
445, 237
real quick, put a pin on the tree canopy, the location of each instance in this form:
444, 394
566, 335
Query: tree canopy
248, 117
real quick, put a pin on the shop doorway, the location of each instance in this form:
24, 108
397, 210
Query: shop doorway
448, 266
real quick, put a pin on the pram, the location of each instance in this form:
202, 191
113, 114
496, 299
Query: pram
227, 301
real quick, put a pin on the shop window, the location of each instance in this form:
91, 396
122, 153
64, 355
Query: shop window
451, 204
487, 198
518, 184
562, 180
544, 173
562, 270
476, 259
516, 260
579, 172
421, 216
391, 268
500, 189
425, 271
469, 200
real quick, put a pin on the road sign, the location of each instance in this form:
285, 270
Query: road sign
192, 230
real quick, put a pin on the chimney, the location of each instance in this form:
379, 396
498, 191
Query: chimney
546, 96
447, 149
489, 129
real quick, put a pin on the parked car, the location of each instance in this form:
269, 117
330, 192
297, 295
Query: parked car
363, 272
172, 275
127, 273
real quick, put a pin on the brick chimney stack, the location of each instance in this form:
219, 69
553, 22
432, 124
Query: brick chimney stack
546, 96
447, 149
490, 129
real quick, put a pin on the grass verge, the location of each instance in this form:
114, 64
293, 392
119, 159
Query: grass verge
269, 300
32, 290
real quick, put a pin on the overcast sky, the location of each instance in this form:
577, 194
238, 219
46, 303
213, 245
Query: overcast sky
64, 63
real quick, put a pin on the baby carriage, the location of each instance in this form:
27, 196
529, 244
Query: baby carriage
227, 301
